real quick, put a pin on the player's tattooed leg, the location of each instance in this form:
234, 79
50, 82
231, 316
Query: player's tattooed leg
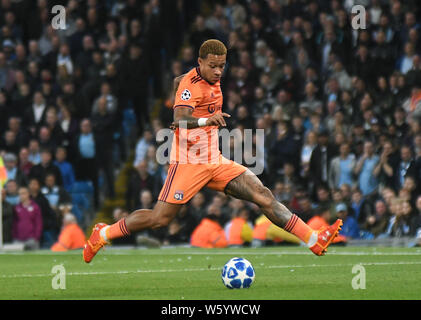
162, 214
248, 186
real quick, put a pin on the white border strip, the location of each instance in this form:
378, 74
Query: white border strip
257, 266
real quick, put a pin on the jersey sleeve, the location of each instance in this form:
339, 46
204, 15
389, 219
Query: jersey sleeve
188, 95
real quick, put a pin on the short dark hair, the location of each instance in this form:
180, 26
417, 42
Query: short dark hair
212, 46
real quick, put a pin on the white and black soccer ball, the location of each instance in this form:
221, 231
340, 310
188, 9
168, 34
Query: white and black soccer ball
185, 95
238, 273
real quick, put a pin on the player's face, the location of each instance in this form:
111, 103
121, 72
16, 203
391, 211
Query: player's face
212, 67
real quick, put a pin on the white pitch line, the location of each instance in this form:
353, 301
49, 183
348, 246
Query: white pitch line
208, 269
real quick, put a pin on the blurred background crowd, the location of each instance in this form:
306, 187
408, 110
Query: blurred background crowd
340, 108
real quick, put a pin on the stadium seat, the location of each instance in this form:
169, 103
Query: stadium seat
82, 187
82, 199
129, 121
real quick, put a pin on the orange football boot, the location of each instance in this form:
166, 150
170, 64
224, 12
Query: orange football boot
94, 243
325, 236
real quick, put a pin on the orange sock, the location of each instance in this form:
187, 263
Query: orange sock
298, 227
117, 230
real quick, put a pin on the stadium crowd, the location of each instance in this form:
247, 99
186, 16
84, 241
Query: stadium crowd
340, 108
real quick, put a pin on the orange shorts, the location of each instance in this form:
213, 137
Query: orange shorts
184, 180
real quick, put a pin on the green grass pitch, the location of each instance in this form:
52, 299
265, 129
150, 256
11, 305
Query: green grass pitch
282, 273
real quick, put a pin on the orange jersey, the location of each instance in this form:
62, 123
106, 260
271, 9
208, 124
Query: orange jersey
71, 237
198, 145
195, 160
208, 234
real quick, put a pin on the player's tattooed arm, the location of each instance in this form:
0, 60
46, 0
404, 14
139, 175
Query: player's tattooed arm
183, 118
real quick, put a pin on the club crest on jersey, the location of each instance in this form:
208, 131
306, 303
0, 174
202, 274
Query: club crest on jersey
178, 195
211, 108
185, 95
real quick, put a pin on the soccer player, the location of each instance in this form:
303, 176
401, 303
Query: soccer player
198, 113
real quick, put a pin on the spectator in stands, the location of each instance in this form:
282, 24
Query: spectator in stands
284, 148
50, 223
20, 133
7, 218
27, 221
197, 207
12, 195
53, 125
306, 151
24, 164
103, 128
35, 115
139, 180
311, 100
154, 167
45, 167
71, 235
239, 231
142, 146
46, 139
341, 168
84, 148
220, 200
405, 166
209, 233
133, 75
320, 159
187, 59
323, 196
13, 171
377, 223
417, 217
69, 125
34, 152
350, 229
305, 211
321, 218
364, 168
66, 168
289, 175
9, 143
54, 193
106, 97
400, 222
405, 62
361, 206
180, 229
386, 167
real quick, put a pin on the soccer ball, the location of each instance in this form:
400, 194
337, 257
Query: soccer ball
238, 273
185, 95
